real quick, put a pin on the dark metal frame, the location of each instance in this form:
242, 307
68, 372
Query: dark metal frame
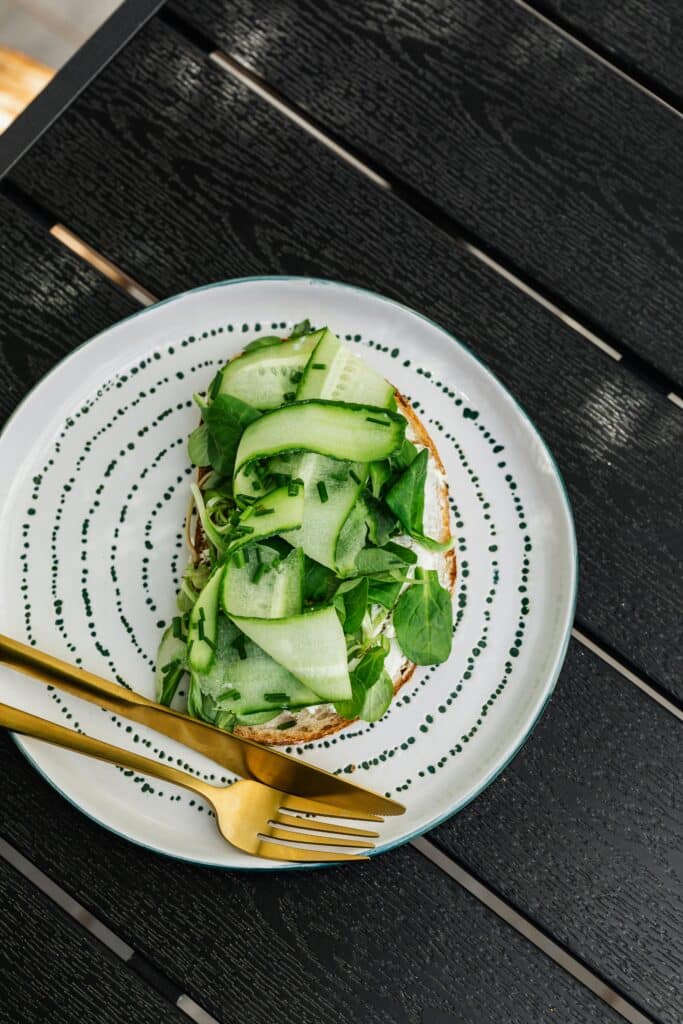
72, 79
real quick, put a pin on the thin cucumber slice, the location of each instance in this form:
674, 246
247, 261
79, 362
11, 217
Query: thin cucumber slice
331, 488
266, 375
243, 679
264, 585
311, 646
170, 666
351, 540
274, 513
358, 433
336, 373
201, 636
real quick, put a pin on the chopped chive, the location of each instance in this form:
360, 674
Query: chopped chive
275, 698
286, 725
189, 647
177, 626
243, 529
293, 488
263, 511
356, 479
202, 614
209, 643
296, 376
318, 366
230, 694
260, 570
172, 665
238, 558
256, 485
289, 396
381, 423
246, 499
248, 469
238, 644
322, 491
200, 628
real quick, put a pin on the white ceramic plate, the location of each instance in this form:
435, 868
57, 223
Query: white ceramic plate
94, 488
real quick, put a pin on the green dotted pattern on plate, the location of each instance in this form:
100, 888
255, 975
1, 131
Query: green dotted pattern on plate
469, 416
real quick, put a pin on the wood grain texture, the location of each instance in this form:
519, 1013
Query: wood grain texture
50, 302
52, 972
547, 157
180, 175
393, 941
644, 37
585, 824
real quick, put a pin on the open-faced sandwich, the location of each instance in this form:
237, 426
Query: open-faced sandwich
321, 566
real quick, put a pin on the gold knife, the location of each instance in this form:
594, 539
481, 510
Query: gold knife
244, 757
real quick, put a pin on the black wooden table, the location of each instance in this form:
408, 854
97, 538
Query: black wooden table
514, 170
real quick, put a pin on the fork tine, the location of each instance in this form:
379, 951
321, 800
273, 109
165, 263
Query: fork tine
322, 826
309, 839
277, 852
299, 803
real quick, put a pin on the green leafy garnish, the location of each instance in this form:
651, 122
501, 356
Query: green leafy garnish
372, 561
384, 592
423, 620
355, 604
381, 521
265, 342
198, 446
303, 327
320, 583
405, 456
371, 688
226, 419
406, 498
380, 472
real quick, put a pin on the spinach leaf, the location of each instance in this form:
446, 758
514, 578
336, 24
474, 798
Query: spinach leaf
303, 327
265, 342
377, 698
371, 561
383, 592
320, 583
402, 552
225, 420
379, 474
198, 446
355, 603
364, 676
406, 498
381, 522
423, 620
405, 456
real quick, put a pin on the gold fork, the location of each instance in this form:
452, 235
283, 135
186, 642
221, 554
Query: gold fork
249, 814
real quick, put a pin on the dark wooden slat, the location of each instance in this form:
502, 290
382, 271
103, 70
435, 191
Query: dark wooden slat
552, 160
394, 941
585, 825
52, 971
180, 175
50, 302
645, 38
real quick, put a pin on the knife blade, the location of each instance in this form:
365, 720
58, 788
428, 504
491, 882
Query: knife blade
244, 757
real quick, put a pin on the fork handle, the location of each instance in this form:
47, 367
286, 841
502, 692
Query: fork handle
42, 729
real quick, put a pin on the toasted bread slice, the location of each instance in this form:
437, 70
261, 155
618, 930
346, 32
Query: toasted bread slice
321, 720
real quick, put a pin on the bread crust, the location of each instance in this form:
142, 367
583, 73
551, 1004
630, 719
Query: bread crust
324, 720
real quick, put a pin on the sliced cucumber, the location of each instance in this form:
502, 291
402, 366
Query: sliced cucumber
274, 513
256, 717
264, 376
170, 666
331, 489
243, 678
359, 433
311, 646
201, 635
336, 373
264, 585
351, 540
